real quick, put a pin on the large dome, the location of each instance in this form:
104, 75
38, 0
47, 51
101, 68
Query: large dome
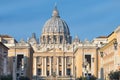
55, 30
55, 24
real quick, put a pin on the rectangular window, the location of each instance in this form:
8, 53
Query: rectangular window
39, 71
48, 73
88, 60
60, 73
68, 71
20, 61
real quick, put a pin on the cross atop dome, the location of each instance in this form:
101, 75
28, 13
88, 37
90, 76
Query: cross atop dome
55, 11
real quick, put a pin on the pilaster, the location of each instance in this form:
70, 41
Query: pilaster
62, 66
34, 66
57, 66
65, 66
42, 65
45, 66
50, 66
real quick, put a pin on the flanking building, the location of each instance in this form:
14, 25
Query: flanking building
3, 59
110, 54
19, 57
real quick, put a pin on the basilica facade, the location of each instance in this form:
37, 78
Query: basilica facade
54, 57
57, 56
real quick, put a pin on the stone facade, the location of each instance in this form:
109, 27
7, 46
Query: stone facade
57, 56
19, 57
110, 60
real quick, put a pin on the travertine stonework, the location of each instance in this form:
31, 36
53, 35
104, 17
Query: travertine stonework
58, 56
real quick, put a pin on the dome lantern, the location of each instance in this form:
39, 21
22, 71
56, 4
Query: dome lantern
55, 12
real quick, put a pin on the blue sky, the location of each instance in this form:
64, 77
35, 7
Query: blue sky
85, 18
